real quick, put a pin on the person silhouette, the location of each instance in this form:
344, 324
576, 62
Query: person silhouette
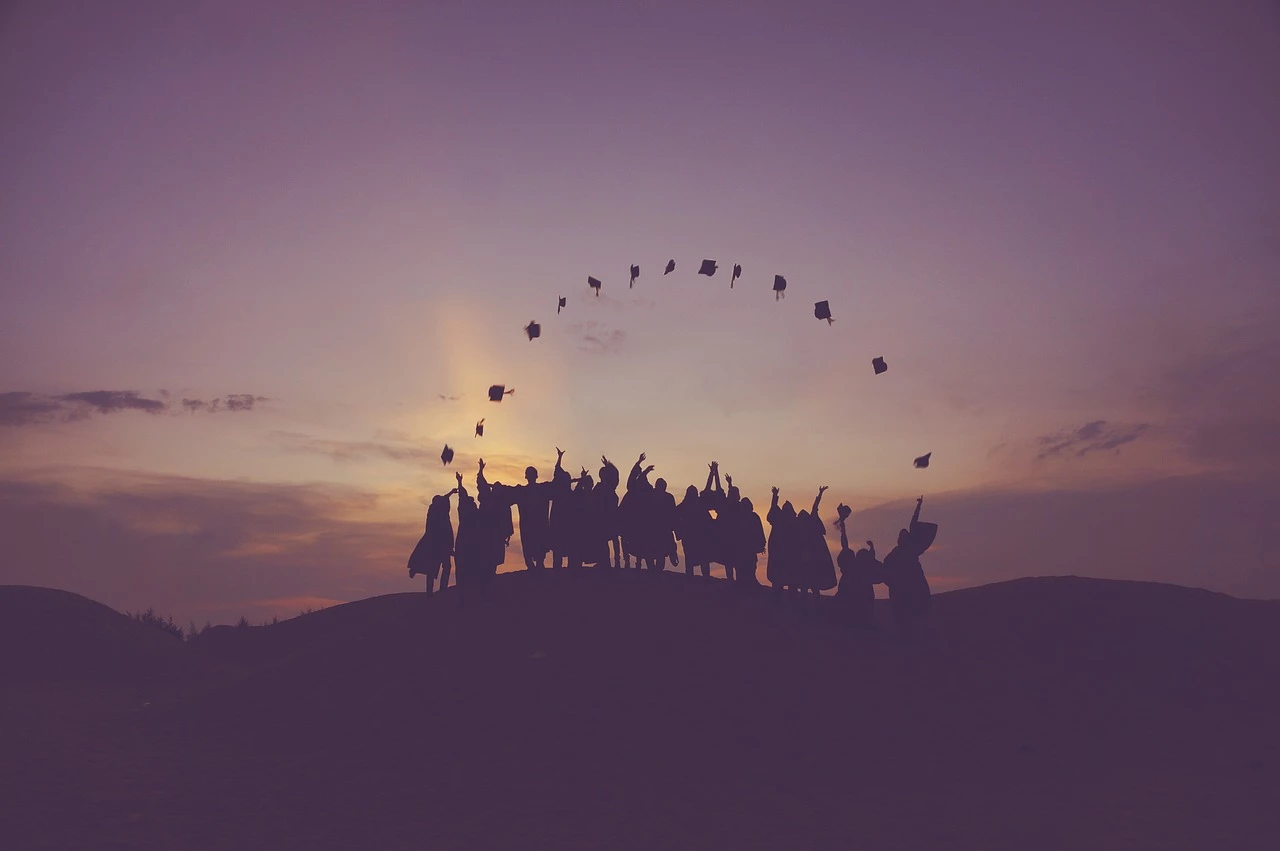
496, 525
634, 510
818, 573
855, 593
559, 530
534, 501
662, 524
713, 499
749, 542
432, 557
783, 562
468, 547
693, 528
727, 529
581, 527
605, 498
909, 594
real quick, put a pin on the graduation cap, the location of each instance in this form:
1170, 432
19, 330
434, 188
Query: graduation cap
779, 287
534, 330
822, 310
561, 305
594, 283
671, 267
447, 455
635, 273
480, 428
497, 391
708, 268
737, 273
879, 365
922, 461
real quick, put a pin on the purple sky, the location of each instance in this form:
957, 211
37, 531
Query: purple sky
1058, 222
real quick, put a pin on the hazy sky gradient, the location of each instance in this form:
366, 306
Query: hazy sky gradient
1043, 215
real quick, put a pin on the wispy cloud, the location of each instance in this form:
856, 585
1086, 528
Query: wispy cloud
1095, 436
597, 338
21, 408
356, 450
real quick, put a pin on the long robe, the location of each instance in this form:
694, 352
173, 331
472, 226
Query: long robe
693, 528
534, 502
817, 571
436, 543
783, 561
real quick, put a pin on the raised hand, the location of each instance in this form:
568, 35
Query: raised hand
559, 453
642, 457
775, 491
648, 470
482, 465
822, 490
728, 480
459, 476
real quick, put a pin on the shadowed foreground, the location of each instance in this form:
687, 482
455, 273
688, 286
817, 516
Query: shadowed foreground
641, 711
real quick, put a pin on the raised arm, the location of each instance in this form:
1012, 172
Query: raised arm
844, 535
482, 486
559, 460
633, 478
915, 518
773, 506
817, 499
460, 490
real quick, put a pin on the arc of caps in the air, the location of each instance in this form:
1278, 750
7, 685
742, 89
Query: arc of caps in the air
821, 310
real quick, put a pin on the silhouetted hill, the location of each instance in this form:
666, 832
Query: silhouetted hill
56, 636
640, 711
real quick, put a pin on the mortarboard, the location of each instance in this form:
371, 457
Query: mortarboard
534, 330
561, 305
779, 287
708, 268
822, 310
879, 365
497, 391
635, 273
671, 267
447, 455
922, 461
594, 283
737, 273
480, 428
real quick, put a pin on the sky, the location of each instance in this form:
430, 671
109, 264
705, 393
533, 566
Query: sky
260, 261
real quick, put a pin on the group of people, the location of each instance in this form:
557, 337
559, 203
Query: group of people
583, 522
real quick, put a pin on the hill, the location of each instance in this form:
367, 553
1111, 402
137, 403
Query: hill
639, 711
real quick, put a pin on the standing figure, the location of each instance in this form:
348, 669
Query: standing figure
713, 499
432, 556
856, 592
534, 501
495, 518
693, 528
662, 524
605, 497
909, 594
581, 549
728, 521
634, 513
468, 548
559, 530
818, 572
749, 542
783, 564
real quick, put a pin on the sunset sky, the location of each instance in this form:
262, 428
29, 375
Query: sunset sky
1058, 222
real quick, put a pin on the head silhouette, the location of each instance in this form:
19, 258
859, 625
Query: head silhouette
734, 493
691, 492
788, 509
531, 474
903, 537
660, 485
746, 504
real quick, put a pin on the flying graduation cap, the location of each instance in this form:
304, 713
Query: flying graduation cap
737, 273
779, 287
447, 455
534, 330
922, 461
879, 365
671, 267
497, 391
708, 268
560, 306
822, 310
480, 428
635, 273
594, 283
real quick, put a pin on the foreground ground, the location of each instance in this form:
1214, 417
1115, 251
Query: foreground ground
634, 711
